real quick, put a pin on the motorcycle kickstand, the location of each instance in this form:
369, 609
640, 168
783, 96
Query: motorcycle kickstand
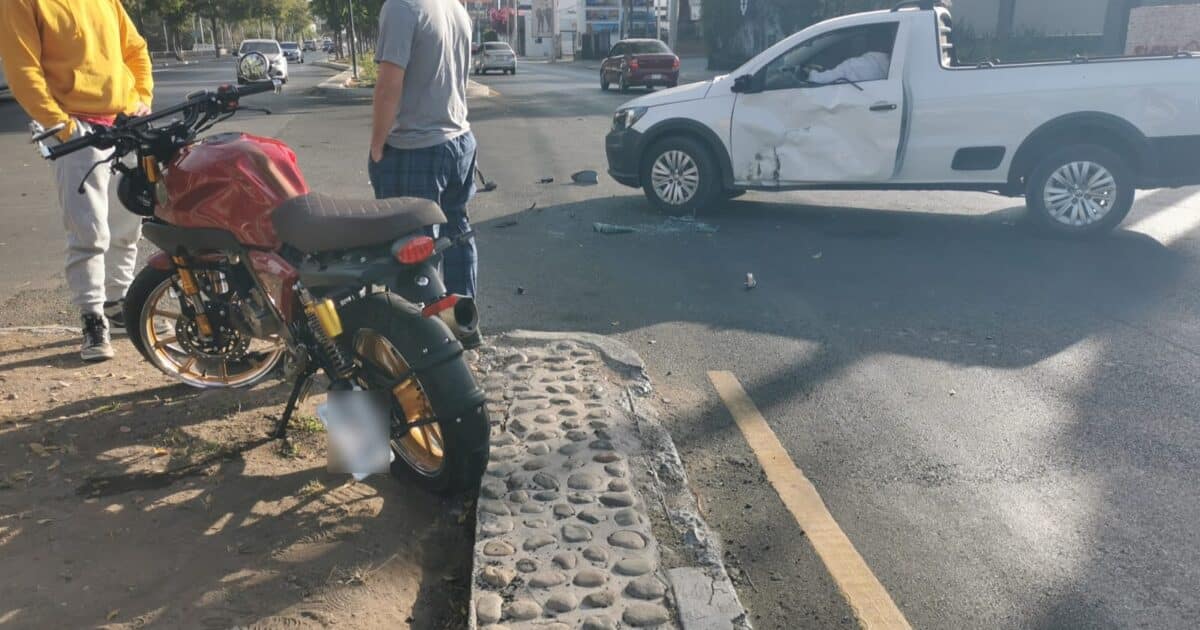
281, 426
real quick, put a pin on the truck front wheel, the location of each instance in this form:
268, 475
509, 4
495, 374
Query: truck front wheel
1079, 191
679, 176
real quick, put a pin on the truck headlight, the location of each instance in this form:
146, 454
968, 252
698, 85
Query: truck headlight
628, 117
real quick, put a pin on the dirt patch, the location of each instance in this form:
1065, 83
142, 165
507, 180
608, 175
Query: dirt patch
127, 501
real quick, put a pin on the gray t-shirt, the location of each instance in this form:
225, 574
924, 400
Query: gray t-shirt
431, 40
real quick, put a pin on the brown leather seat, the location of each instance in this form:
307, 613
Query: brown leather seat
320, 223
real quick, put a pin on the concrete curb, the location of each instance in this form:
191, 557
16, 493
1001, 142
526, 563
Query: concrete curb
335, 88
585, 519
332, 65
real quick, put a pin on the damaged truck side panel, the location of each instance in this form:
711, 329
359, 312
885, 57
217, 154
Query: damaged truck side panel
1076, 137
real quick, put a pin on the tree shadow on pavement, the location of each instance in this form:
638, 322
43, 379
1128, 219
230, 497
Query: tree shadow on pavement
152, 504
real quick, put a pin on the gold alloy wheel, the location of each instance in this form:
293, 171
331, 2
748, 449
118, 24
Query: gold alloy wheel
159, 320
422, 447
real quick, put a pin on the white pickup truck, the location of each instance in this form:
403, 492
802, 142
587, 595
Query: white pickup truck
879, 101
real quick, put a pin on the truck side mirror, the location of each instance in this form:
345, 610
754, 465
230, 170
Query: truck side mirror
743, 84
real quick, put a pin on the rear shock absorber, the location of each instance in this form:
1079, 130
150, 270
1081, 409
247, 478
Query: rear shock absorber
326, 327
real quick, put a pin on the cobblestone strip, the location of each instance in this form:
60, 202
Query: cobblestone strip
564, 538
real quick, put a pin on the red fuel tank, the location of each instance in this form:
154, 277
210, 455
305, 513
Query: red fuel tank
232, 182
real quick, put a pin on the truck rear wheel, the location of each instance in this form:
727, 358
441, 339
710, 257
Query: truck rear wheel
679, 176
1080, 191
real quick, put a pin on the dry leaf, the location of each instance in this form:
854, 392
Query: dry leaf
112, 614
37, 449
53, 465
124, 429
45, 521
161, 452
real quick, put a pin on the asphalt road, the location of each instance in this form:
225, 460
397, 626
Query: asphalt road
1004, 425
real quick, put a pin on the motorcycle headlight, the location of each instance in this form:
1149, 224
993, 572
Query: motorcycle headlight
628, 117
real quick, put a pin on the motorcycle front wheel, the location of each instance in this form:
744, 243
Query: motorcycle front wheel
440, 430
158, 328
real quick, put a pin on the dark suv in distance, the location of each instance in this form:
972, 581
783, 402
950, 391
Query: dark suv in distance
639, 62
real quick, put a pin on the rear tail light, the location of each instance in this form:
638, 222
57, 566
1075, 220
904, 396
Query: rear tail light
675, 64
415, 250
633, 64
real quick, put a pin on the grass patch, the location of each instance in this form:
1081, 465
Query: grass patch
181, 444
368, 72
311, 488
308, 424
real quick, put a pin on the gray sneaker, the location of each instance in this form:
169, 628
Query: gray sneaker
96, 343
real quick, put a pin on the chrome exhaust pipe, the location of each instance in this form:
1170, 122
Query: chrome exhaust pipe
462, 318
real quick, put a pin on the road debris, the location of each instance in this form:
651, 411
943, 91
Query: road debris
520, 290
506, 224
673, 225
586, 178
750, 281
609, 228
546, 180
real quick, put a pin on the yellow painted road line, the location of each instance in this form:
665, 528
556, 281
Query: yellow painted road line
866, 595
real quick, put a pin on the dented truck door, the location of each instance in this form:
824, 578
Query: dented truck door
789, 131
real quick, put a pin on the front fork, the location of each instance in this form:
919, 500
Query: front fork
191, 293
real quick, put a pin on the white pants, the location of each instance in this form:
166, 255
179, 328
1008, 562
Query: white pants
102, 235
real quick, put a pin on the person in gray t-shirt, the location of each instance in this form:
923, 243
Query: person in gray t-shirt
421, 143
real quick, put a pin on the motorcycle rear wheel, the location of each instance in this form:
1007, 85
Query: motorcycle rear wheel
449, 455
152, 316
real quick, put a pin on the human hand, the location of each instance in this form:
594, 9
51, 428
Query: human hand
141, 109
377, 153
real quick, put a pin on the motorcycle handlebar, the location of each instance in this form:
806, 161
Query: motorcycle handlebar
226, 98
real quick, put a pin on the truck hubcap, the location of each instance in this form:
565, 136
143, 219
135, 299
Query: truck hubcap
675, 177
1080, 193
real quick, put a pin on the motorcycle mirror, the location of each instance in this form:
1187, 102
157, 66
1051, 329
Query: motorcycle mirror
253, 66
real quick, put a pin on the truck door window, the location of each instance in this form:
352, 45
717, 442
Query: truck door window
832, 56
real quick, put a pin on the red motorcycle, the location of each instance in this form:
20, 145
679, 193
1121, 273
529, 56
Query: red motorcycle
255, 270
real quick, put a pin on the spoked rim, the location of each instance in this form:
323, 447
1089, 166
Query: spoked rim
159, 321
675, 177
422, 447
1080, 193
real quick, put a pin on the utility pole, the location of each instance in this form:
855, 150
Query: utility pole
673, 21
353, 53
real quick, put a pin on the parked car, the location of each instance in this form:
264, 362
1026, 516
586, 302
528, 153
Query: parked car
292, 51
310, 45
328, 45
496, 56
639, 62
1075, 137
274, 54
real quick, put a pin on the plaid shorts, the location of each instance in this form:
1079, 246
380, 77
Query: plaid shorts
444, 173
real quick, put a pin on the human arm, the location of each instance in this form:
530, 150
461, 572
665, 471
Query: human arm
397, 28
21, 49
389, 90
137, 58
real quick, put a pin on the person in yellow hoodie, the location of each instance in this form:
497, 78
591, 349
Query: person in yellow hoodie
81, 63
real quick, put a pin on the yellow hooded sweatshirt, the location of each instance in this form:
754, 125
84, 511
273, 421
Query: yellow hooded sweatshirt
67, 58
